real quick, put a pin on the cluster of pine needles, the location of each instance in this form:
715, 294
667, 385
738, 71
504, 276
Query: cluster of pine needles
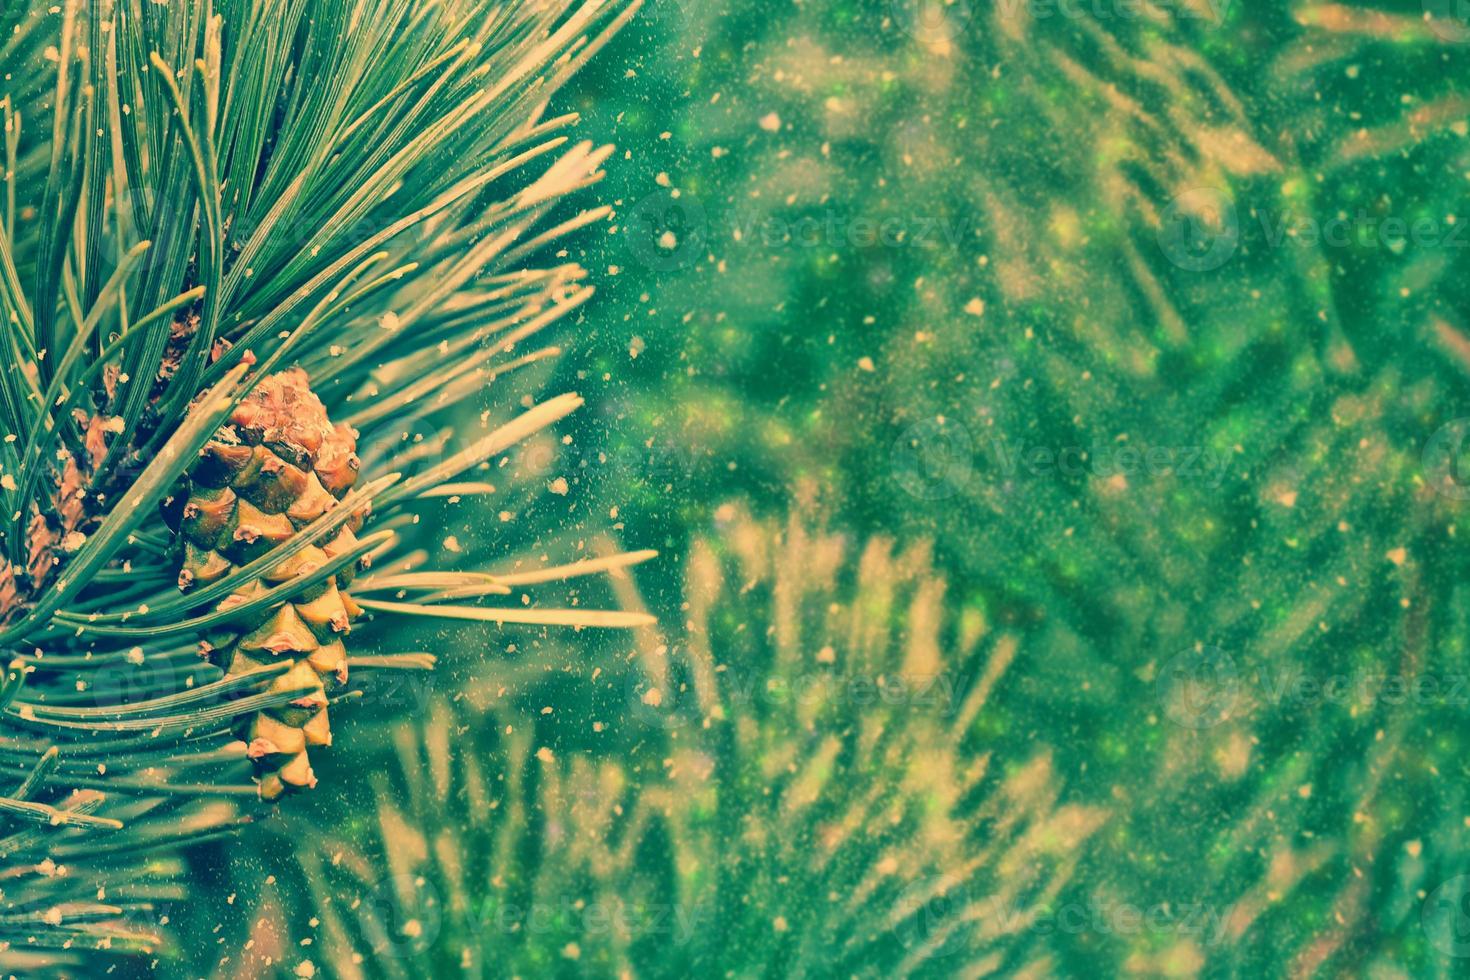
361, 197
782, 783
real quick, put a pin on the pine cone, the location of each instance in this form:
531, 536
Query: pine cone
277, 465
53, 533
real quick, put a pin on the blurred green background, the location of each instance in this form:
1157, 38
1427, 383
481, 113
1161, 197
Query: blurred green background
1151, 317
894, 248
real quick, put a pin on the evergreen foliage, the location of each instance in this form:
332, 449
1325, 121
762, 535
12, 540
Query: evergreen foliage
359, 195
782, 787
1225, 643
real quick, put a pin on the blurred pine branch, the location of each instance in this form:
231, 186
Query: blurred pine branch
780, 787
1054, 180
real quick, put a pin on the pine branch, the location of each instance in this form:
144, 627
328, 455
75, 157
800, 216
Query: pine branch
788, 783
213, 213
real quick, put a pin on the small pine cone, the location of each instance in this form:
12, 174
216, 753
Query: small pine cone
275, 467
